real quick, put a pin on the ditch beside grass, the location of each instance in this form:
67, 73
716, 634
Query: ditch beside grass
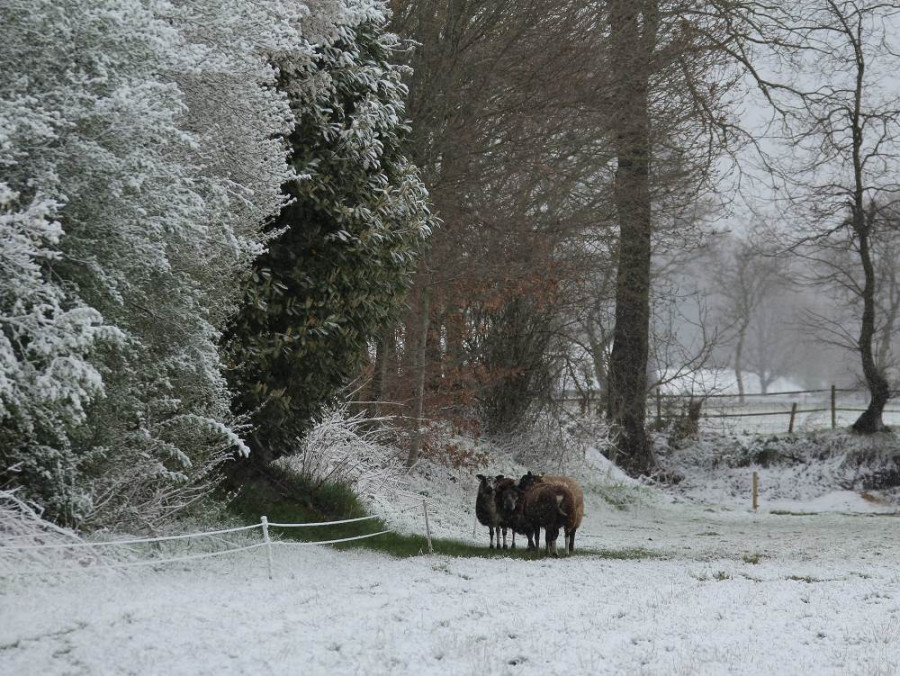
284, 497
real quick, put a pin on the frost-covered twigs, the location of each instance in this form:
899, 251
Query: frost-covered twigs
22, 526
347, 449
556, 443
143, 494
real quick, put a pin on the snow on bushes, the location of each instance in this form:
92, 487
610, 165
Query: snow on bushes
23, 526
140, 152
717, 468
347, 449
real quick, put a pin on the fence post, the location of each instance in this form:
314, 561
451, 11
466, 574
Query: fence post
427, 527
755, 491
265, 529
833, 408
793, 415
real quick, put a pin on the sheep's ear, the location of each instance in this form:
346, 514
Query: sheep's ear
498, 477
480, 477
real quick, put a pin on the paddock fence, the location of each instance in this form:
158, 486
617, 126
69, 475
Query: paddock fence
760, 412
83, 556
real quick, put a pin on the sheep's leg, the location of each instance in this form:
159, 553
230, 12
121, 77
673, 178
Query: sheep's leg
537, 538
491, 529
550, 535
514, 539
571, 539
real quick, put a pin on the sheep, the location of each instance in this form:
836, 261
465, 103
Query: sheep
486, 507
509, 507
573, 520
550, 506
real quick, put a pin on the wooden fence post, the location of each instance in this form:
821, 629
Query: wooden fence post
427, 527
265, 529
833, 408
755, 491
793, 415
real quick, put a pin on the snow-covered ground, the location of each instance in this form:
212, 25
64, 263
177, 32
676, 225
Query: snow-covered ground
696, 589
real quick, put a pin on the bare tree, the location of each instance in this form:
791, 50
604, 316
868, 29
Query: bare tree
745, 279
834, 264
844, 133
512, 154
771, 344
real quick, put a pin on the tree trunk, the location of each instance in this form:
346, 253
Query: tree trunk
879, 390
421, 363
862, 223
739, 362
380, 372
633, 25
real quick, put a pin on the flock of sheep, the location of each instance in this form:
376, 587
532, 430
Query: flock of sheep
535, 502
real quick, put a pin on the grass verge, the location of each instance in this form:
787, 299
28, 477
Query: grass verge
287, 498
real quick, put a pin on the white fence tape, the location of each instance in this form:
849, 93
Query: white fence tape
322, 523
107, 543
330, 542
103, 565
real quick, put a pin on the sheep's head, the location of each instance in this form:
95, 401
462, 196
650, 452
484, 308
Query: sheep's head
530, 480
509, 499
485, 487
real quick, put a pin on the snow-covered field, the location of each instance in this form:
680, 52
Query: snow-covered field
698, 589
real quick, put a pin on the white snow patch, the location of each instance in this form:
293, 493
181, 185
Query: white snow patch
667, 588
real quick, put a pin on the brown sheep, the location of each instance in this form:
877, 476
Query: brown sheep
551, 507
486, 507
574, 519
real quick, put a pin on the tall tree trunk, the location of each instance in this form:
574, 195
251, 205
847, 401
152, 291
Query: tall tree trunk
862, 223
739, 361
421, 365
633, 26
870, 421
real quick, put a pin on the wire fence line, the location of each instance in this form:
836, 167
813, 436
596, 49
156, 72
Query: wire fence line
755, 412
319, 523
121, 543
101, 564
768, 412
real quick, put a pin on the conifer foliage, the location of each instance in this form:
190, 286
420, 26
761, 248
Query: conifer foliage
347, 243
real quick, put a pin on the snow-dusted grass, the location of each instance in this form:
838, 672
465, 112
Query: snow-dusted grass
696, 589
822, 472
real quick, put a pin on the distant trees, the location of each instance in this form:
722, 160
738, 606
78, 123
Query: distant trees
540, 133
746, 278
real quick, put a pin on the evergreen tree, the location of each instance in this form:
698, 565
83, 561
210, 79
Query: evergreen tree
347, 243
